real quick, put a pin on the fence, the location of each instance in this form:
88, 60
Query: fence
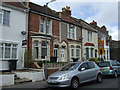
53, 65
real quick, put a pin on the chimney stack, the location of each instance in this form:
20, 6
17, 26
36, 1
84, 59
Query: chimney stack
66, 11
94, 24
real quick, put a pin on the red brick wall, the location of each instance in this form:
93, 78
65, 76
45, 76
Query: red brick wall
55, 28
34, 22
50, 71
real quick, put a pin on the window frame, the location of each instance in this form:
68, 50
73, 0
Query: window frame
44, 47
71, 32
11, 47
90, 66
1, 12
4, 18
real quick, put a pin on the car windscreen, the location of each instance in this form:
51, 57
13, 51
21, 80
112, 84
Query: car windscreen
103, 64
71, 66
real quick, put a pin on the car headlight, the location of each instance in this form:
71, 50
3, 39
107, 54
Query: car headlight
64, 77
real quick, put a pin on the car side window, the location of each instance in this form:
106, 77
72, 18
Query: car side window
118, 64
84, 65
114, 63
91, 65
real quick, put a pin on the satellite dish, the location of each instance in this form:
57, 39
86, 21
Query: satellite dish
23, 32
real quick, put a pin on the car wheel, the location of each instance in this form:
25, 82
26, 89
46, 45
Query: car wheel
74, 83
99, 78
115, 74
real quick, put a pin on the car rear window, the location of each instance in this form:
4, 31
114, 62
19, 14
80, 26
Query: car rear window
103, 64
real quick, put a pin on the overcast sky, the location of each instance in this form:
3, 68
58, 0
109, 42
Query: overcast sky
103, 12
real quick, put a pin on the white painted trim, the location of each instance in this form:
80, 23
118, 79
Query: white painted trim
40, 37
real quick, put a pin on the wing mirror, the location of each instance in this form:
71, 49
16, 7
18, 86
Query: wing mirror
81, 69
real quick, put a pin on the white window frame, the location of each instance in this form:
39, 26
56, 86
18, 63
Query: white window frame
44, 26
2, 19
1, 12
72, 49
7, 18
71, 32
46, 50
11, 51
43, 23
36, 46
55, 50
76, 51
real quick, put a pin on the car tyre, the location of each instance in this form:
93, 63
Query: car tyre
99, 78
115, 74
74, 83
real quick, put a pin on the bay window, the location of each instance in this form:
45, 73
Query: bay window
36, 49
43, 49
77, 51
72, 50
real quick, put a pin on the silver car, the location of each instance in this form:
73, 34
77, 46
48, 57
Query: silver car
72, 74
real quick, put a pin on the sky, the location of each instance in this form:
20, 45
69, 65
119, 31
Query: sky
104, 12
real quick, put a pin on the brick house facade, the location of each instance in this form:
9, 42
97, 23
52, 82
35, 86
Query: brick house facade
70, 33
38, 48
103, 41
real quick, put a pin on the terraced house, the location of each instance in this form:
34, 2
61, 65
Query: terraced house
43, 32
90, 40
12, 24
103, 41
70, 32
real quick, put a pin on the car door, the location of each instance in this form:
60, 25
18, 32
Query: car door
92, 70
115, 66
83, 74
118, 64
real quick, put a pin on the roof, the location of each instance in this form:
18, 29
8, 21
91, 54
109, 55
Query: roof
86, 25
42, 9
70, 19
16, 4
89, 44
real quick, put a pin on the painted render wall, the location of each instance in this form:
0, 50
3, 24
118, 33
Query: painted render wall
12, 34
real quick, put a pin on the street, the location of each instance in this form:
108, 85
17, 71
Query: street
108, 83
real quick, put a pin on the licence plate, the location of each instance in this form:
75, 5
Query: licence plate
103, 69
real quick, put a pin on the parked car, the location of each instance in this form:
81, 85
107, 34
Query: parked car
110, 67
72, 74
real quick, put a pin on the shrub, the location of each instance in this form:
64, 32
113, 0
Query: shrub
94, 59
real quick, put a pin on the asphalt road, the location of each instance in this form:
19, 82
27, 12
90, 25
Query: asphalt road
108, 83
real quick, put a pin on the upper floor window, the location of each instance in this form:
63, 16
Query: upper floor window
71, 32
42, 25
45, 26
89, 36
5, 17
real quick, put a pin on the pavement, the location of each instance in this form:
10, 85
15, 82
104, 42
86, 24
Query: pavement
37, 85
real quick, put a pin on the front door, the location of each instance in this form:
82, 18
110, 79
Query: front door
62, 54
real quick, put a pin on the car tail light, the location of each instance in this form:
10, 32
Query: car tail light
111, 68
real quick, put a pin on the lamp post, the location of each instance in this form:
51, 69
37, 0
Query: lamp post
46, 12
81, 38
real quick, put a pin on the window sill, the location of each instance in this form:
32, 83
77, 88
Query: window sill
6, 59
4, 25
